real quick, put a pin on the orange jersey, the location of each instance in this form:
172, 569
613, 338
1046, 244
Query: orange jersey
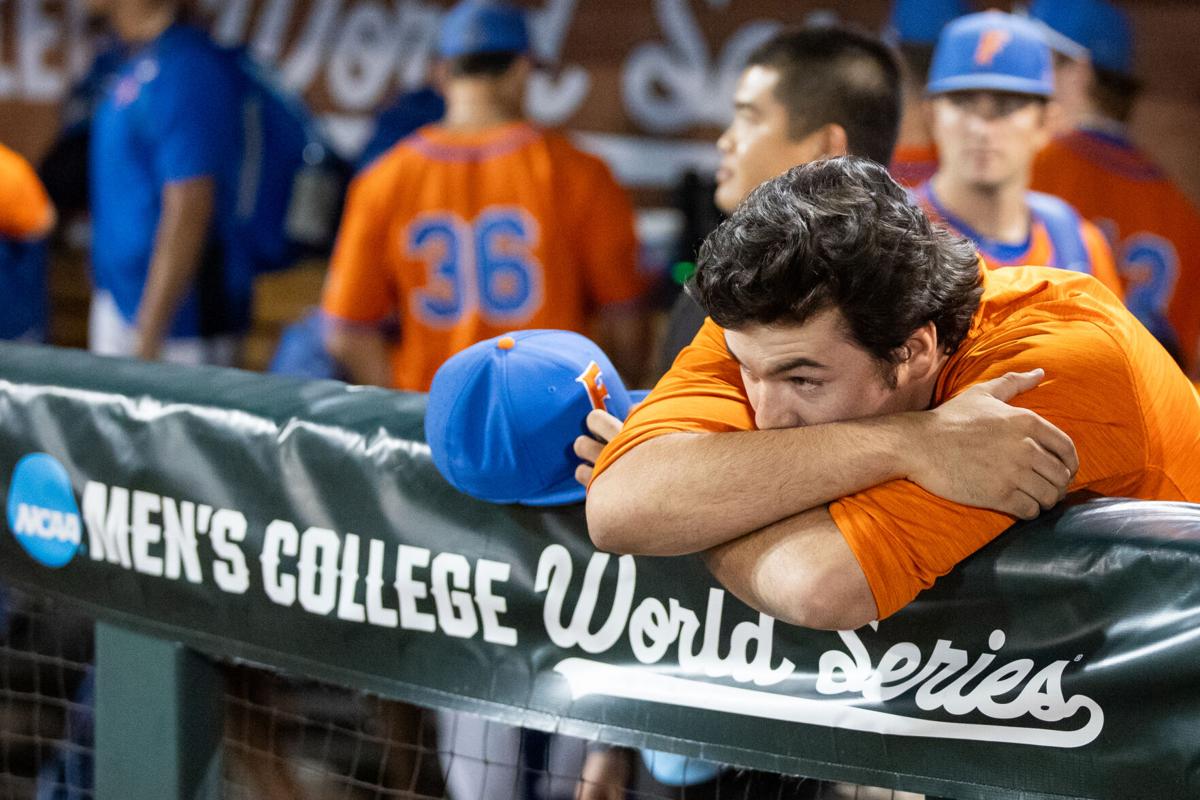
466, 236
1133, 415
25, 208
1154, 228
912, 165
1048, 243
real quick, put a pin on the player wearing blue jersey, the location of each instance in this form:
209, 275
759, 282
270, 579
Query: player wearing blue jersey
990, 85
167, 145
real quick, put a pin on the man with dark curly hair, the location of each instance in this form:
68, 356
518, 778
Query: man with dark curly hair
784, 445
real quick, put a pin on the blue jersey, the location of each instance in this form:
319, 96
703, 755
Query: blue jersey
171, 112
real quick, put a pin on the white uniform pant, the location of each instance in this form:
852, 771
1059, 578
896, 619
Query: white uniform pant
110, 334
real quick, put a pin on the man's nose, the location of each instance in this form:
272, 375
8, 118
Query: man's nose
725, 142
771, 412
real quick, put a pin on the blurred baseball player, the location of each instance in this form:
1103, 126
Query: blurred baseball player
1154, 228
803, 95
172, 280
26, 218
776, 443
990, 86
480, 224
915, 26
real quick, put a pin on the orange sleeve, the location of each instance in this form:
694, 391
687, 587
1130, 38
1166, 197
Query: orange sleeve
359, 287
607, 241
701, 393
1104, 267
25, 208
905, 538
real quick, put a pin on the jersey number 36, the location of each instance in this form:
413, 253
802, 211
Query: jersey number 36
484, 266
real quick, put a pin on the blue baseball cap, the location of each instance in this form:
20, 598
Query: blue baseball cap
482, 26
1093, 26
920, 21
503, 415
992, 51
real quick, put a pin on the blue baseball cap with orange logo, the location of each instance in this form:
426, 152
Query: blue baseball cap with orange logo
992, 51
503, 415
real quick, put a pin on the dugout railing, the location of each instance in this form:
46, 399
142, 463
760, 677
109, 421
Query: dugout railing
201, 512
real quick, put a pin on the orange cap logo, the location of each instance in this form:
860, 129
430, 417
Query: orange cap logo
593, 380
990, 45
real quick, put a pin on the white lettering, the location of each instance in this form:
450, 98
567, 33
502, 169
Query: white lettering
456, 614
318, 570
348, 608
363, 57
554, 578
229, 571
941, 684
48, 524
179, 533
377, 612
146, 533
280, 538
490, 605
38, 35
107, 522
410, 590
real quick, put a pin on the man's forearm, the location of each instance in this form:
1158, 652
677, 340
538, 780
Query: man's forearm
682, 493
799, 570
179, 242
363, 353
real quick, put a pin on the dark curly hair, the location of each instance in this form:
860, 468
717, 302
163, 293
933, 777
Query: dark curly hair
842, 234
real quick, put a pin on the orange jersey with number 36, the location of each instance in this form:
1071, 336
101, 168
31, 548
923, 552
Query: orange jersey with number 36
466, 236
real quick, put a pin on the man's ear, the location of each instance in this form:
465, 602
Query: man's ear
920, 355
835, 143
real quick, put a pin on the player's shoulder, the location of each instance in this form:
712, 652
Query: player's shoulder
13, 163
1108, 152
1043, 306
1052, 208
570, 153
403, 157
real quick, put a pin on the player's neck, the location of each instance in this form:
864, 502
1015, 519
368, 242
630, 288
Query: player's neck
472, 108
996, 212
140, 21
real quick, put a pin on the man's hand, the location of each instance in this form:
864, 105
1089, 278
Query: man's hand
606, 773
603, 426
977, 450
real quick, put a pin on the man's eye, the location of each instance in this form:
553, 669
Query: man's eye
797, 380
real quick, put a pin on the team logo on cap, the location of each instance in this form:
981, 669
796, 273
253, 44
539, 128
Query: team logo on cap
991, 43
593, 380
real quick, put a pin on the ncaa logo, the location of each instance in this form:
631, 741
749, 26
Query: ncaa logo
42, 512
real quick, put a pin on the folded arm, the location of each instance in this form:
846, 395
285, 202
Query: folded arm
799, 570
685, 492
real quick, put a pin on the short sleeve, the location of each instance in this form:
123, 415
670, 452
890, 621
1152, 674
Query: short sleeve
607, 240
195, 107
905, 538
359, 287
1100, 256
25, 209
701, 393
